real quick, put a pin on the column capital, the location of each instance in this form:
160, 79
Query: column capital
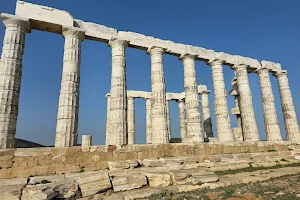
239, 66
154, 49
213, 62
280, 74
115, 42
75, 32
107, 95
205, 92
187, 55
130, 97
262, 70
9, 20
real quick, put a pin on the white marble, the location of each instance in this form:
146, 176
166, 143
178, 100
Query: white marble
208, 131
86, 141
168, 120
182, 120
10, 76
194, 126
288, 108
148, 122
158, 103
131, 120
68, 106
107, 132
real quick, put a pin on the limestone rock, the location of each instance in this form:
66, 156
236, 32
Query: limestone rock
126, 164
179, 177
50, 179
198, 177
13, 181
158, 179
172, 160
91, 182
11, 192
128, 182
153, 162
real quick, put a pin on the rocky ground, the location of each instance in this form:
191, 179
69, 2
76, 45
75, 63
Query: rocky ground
283, 188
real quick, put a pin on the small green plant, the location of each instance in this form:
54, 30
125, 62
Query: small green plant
81, 169
272, 150
229, 192
8, 167
250, 164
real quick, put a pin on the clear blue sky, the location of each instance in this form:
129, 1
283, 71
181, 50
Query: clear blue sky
266, 29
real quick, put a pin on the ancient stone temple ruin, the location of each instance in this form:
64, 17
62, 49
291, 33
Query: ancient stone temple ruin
120, 107
163, 163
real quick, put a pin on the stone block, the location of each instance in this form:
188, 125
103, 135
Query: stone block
179, 177
153, 162
126, 164
202, 176
128, 182
11, 192
52, 179
32, 151
91, 182
13, 181
172, 160
136, 39
97, 32
158, 179
44, 18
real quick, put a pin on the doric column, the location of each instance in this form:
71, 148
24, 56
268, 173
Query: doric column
168, 120
182, 121
268, 104
86, 141
10, 76
107, 135
159, 114
288, 108
148, 122
68, 106
208, 132
220, 102
194, 126
130, 120
246, 106
118, 93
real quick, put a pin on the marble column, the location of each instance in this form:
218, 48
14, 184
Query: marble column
288, 108
148, 122
182, 121
118, 93
86, 141
10, 76
107, 135
268, 103
194, 126
68, 106
246, 106
159, 115
208, 132
131, 120
220, 102
168, 120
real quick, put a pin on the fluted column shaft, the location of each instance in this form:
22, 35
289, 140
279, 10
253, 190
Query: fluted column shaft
168, 120
68, 106
194, 126
131, 121
288, 108
86, 141
148, 122
246, 106
10, 76
268, 104
118, 94
159, 110
220, 102
182, 121
208, 132
107, 135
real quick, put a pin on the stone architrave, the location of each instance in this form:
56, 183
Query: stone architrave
194, 126
249, 125
288, 108
168, 120
148, 122
220, 102
107, 135
131, 120
68, 106
86, 141
10, 76
268, 104
159, 111
182, 121
118, 94
208, 132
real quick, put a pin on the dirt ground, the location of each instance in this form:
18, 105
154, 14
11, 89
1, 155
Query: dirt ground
283, 188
